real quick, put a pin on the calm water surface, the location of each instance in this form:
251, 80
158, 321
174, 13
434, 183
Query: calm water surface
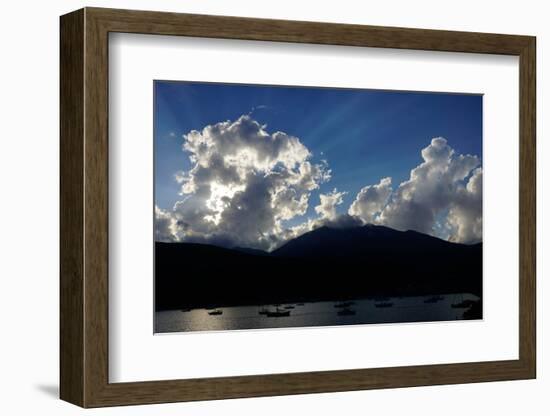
402, 309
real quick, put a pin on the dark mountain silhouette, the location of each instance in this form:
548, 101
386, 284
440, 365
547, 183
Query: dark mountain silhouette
324, 264
362, 242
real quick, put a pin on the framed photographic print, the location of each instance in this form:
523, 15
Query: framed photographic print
256, 207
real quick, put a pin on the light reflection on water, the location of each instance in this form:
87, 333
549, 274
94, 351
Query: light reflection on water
404, 309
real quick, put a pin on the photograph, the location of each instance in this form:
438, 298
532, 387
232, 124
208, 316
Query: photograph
279, 206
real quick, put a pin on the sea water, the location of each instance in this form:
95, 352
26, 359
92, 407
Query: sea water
367, 311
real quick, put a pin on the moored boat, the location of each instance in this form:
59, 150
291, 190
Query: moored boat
346, 312
344, 304
215, 312
277, 313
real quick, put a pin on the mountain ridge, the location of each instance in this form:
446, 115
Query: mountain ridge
320, 236
326, 263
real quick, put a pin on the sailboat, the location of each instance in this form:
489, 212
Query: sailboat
346, 312
215, 312
278, 312
344, 304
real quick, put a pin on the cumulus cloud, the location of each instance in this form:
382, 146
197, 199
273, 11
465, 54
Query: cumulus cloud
327, 215
163, 225
436, 188
465, 215
370, 200
243, 184
329, 202
246, 183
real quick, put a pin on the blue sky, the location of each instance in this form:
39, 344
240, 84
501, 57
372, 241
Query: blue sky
364, 135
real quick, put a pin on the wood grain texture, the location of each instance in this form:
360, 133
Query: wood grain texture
96, 208
527, 207
162, 23
71, 208
84, 204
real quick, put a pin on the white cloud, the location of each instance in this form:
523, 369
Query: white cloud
465, 215
370, 200
244, 182
435, 188
326, 216
164, 225
329, 202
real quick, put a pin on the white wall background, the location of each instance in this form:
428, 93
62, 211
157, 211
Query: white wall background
29, 215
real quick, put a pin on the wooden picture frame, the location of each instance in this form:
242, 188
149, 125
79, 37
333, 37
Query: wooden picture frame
84, 207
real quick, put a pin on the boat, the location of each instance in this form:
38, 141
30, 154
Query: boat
215, 312
186, 310
433, 299
384, 304
300, 304
263, 311
289, 307
277, 313
344, 304
346, 312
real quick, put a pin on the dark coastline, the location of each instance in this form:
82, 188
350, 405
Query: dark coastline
325, 264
